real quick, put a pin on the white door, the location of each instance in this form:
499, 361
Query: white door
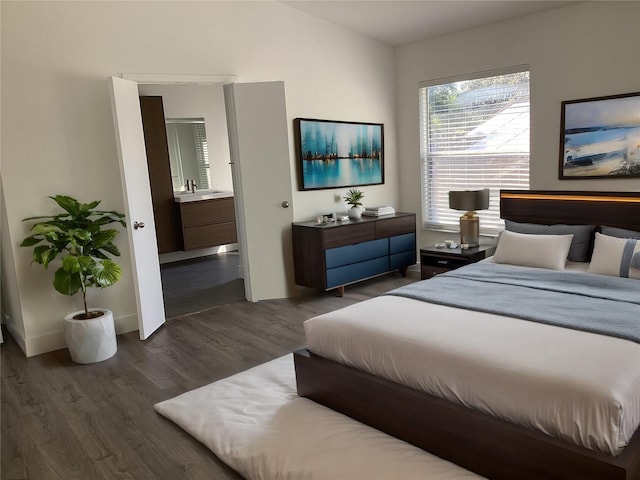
259, 145
141, 228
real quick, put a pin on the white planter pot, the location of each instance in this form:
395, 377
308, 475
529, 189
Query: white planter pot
355, 213
92, 340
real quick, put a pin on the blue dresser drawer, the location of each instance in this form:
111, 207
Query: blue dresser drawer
357, 271
403, 259
336, 257
402, 243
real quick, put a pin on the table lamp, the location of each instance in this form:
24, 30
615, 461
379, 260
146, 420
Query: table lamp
469, 200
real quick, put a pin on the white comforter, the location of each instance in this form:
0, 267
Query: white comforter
579, 386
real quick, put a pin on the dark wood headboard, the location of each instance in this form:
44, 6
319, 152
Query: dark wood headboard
615, 209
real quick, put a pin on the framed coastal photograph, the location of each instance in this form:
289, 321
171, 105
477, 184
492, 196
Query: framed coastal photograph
333, 154
600, 137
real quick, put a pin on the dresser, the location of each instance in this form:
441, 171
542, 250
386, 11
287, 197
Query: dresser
330, 256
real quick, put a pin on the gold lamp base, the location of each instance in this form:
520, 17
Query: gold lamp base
469, 230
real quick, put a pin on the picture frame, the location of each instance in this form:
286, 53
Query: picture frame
600, 137
338, 154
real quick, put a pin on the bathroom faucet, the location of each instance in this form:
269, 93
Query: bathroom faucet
191, 185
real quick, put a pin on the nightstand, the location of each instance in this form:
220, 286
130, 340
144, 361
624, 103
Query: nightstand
439, 260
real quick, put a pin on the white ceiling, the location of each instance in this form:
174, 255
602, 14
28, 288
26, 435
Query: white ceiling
398, 22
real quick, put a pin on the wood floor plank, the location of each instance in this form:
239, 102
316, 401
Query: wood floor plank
61, 420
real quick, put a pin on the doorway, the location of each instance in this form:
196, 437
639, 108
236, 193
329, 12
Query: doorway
187, 143
258, 141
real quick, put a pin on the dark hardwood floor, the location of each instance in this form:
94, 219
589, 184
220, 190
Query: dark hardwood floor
65, 421
199, 283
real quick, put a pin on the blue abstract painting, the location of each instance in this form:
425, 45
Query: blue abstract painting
334, 154
601, 137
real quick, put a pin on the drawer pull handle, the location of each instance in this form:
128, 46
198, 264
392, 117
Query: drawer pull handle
443, 262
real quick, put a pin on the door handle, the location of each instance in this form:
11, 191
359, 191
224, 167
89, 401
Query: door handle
285, 204
137, 225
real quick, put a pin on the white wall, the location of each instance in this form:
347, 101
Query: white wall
11, 313
585, 50
56, 58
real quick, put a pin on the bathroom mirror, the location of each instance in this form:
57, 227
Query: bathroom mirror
188, 153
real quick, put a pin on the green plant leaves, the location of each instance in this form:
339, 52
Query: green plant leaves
110, 217
79, 236
44, 254
72, 264
30, 241
46, 229
104, 237
353, 197
106, 272
112, 249
68, 204
67, 283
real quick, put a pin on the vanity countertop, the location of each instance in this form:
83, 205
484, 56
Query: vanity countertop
182, 197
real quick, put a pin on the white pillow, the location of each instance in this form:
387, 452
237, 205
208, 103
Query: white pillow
616, 257
530, 250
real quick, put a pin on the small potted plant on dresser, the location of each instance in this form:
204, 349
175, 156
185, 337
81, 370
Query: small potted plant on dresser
80, 238
354, 198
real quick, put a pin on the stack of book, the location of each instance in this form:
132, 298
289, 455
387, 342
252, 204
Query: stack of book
378, 211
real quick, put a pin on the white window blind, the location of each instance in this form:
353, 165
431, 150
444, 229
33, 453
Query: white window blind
202, 154
474, 134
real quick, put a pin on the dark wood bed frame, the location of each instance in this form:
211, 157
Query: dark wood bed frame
486, 445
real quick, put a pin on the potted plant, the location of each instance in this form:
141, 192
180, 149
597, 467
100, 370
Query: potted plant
353, 198
80, 238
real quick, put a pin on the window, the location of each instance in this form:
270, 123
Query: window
474, 134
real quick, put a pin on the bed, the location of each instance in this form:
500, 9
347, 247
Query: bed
582, 419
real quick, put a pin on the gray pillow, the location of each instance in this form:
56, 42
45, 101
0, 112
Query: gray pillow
620, 232
579, 251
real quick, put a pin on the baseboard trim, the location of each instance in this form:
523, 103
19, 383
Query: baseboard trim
55, 341
182, 255
17, 336
126, 324
44, 343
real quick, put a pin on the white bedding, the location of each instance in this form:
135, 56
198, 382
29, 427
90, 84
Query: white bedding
256, 423
579, 386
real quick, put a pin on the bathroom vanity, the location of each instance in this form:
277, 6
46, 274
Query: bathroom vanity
207, 219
